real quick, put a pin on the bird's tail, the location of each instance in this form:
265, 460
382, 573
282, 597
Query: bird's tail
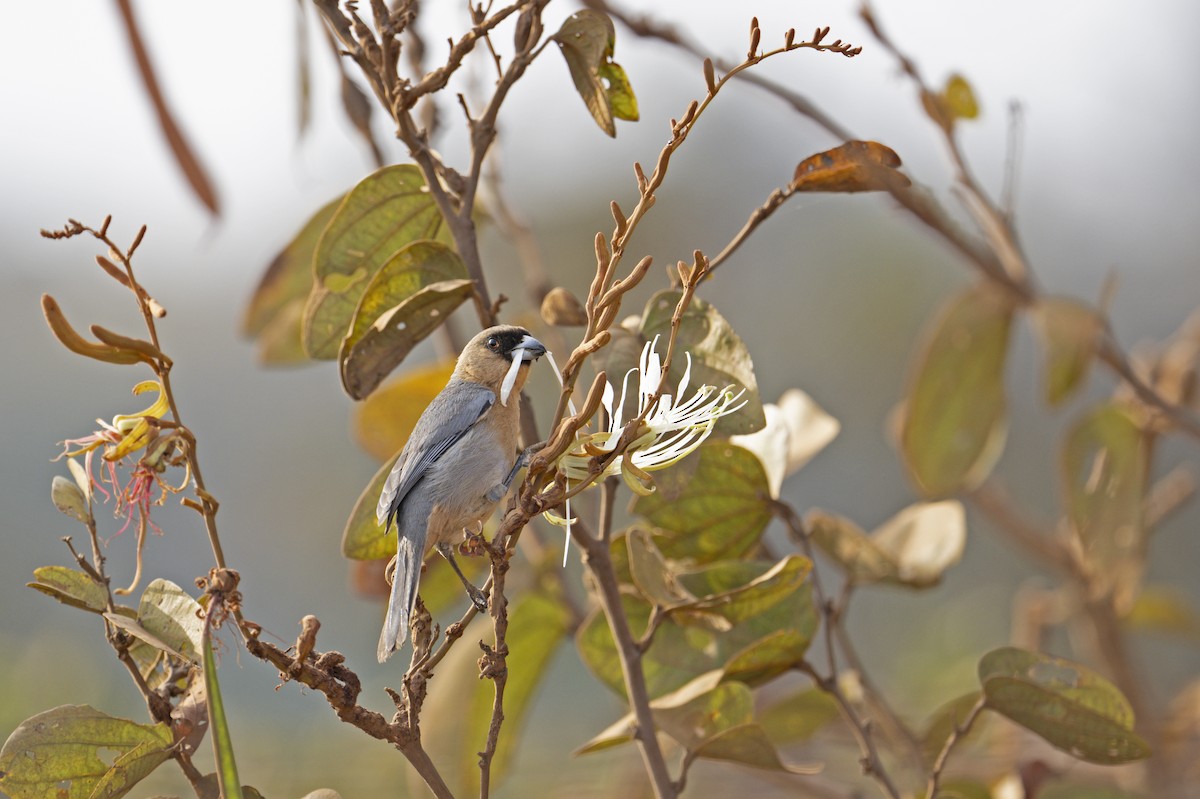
402, 599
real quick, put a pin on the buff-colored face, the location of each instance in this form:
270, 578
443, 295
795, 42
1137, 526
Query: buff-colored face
499, 357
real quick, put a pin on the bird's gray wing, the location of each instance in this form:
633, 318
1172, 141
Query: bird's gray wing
447, 419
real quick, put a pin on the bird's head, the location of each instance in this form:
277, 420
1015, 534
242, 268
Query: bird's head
499, 358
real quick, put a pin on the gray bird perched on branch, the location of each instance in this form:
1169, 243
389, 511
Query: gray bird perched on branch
459, 462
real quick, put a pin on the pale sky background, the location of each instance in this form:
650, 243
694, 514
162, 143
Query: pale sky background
1108, 185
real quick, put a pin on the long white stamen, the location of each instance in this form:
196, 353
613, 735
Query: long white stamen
567, 539
558, 374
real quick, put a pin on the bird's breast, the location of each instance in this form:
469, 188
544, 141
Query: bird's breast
462, 478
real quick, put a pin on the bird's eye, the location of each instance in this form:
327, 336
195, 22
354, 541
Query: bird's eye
493, 344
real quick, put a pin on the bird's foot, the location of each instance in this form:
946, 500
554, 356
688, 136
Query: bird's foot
478, 598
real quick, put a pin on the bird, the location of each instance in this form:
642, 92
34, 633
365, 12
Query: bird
456, 466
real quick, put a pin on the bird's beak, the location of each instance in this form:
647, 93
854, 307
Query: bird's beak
531, 349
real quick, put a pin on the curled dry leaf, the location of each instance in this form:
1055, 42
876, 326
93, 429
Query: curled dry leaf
852, 167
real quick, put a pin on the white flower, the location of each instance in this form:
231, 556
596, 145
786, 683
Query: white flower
673, 428
796, 430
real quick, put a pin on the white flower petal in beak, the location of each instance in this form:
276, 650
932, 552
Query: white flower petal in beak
510, 379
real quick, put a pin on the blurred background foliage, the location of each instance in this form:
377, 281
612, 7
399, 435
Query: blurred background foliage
829, 296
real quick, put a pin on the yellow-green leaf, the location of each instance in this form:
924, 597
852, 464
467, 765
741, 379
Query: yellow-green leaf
913, 548
959, 98
173, 616
386, 211
768, 657
749, 745
280, 343
1104, 463
954, 421
57, 755
394, 334
621, 99
712, 506
70, 587
383, 421
650, 573
675, 707
844, 541
771, 624
1164, 609
411, 269
1072, 707
586, 41
1069, 332
537, 627
719, 358
363, 538
944, 721
277, 306
798, 717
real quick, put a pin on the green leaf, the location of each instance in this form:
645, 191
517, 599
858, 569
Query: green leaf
586, 41
70, 587
537, 626
943, 723
749, 745
394, 334
1104, 464
770, 622
227, 773
281, 342
1069, 332
148, 660
954, 421
411, 269
913, 548
847, 544
56, 755
363, 537
386, 211
1072, 707
799, 716
755, 597
276, 309
383, 421
712, 506
720, 708
173, 616
719, 357
650, 572
769, 656
698, 699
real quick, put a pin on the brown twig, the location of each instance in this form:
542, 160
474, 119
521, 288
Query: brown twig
956, 736
872, 765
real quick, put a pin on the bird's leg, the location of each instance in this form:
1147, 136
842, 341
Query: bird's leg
478, 598
498, 491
